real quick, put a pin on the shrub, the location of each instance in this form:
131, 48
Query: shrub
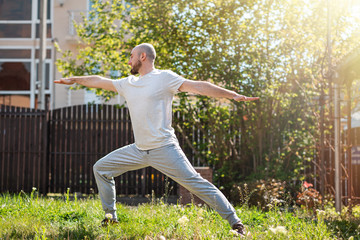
263, 194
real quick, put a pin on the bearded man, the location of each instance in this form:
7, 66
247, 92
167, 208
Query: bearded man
149, 100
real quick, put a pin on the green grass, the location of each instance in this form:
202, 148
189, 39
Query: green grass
30, 217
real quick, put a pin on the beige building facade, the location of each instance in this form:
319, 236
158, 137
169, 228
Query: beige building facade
19, 52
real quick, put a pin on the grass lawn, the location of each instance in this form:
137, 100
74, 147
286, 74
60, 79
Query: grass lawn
31, 217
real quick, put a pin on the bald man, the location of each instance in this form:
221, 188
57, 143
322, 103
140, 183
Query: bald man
149, 99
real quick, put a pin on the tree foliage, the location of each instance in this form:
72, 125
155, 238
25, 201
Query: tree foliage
271, 49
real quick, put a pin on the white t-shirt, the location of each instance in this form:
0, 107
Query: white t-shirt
149, 99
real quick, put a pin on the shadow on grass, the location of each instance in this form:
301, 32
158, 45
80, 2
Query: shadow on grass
80, 232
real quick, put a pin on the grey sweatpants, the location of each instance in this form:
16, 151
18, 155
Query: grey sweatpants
171, 161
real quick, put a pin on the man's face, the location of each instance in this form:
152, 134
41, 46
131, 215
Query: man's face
135, 67
135, 62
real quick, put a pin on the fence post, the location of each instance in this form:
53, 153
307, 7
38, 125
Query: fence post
45, 158
185, 196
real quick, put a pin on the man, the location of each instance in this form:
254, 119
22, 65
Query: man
149, 99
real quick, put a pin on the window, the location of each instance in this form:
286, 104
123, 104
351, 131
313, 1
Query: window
15, 53
15, 76
48, 15
48, 30
48, 53
47, 67
19, 74
15, 30
47, 74
15, 9
48, 10
15, 100
17, 20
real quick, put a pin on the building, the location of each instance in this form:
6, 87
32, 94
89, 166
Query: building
19, 52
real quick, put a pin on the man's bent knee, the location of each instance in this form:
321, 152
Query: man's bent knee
96, 167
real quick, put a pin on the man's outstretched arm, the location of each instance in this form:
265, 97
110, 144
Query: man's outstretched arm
93, 81
211, 90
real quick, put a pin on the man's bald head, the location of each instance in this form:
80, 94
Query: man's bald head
148, 49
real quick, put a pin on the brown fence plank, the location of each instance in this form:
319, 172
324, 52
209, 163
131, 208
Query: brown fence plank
89, 139
71, 151
62, 163
38, 159
2, 148
109, 133
29, 156
74, 144
54, 158
68, 178
94, 131
129, 138
80, 150
121, 127
62, 157
117, 128
104, 136
28, 148
23, 132
51, 151
17, 149
36, 146
58, 143
43, 164
52, 155
10, 152
2, 144
80, 133
7, 148
99, 134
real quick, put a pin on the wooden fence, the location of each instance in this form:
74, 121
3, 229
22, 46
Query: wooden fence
22, 149
55, 150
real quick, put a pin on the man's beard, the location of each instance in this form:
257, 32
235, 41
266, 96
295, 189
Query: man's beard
136, 67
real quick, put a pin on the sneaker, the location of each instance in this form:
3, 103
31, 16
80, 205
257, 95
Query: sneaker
239, 228
106, 222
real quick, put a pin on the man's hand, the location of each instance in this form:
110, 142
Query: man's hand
67, 81
239, 98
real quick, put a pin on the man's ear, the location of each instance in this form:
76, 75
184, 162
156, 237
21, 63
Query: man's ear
143, 56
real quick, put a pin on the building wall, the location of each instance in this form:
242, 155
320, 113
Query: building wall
61, 16
19, 44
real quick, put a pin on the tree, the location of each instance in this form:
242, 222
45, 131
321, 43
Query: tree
271, 49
